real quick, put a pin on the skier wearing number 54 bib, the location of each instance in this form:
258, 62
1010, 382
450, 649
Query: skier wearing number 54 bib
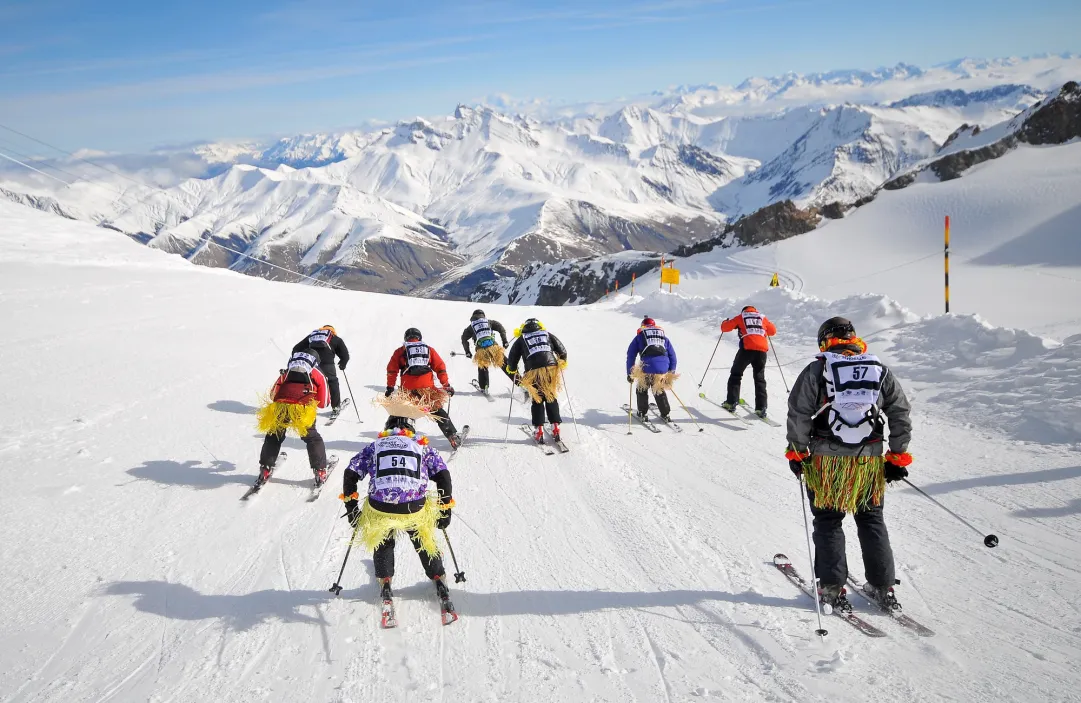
398, 466
837, 413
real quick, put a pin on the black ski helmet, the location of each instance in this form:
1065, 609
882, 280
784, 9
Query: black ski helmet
835, 328
531, 325
413, 333
478, 313
397, 422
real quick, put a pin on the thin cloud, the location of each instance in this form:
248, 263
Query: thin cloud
228, 81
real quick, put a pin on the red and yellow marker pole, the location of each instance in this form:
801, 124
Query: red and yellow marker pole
946, 262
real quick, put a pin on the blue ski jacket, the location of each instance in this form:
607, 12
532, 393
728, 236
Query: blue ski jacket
653, 360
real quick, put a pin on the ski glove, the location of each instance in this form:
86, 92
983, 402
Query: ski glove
629, 379
795, 461
341, 365
796, 467
352, 511
444, 520
468, 354
449, 390
894, 472
390, 390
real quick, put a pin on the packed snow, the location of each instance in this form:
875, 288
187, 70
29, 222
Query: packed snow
636, 567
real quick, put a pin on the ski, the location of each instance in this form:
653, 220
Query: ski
674, 426
896, 615
387, 618
784, 565
447, 613
755, 416
739, 416
486, 394
563, 448
334, 416
461, 440
259, 482
318, 487
645, 421
545, 447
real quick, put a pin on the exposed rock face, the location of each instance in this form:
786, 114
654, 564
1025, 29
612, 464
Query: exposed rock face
569, 282
769, 224
1058, 121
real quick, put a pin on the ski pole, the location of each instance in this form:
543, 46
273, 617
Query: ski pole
510, 409
778, 360
336, 589
459, 575
700, 428
570, 405
351, 398
821, 631
988, 540
630, 387
710, 362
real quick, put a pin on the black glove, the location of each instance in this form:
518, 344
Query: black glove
449, 390
352, 512
895, 472
629, 379
390, 390
444, 520
468, 354
341, 365
796, 467
506, 345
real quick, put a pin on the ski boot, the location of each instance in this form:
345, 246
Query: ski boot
883, 596
538, 433
455, 441
666, 419
388, 619
760, 413
446, 607
264, 473
833, 598
555, 431
320, 476
642, 415
730, 407
385, 591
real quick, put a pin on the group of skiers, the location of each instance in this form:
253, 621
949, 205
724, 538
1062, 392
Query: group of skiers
837, 411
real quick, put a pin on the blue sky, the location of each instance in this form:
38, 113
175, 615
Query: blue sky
124, 75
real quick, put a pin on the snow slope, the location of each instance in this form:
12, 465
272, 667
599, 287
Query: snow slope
633, 568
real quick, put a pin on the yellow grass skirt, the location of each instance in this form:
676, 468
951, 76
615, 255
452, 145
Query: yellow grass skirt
374, 527
489, 357
275, 418
656, 382
543, 384
846, 483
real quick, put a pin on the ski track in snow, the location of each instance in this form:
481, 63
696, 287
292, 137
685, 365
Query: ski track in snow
634, 568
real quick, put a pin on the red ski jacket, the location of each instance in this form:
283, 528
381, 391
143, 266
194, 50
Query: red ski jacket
397, 366
296, 393
751, 337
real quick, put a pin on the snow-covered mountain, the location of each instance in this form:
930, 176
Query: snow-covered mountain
443, 205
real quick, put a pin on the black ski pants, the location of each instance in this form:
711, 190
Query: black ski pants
757, 361
332, 385
384, 559
831, 564
483, 377
317, 451
642, 396
550, 408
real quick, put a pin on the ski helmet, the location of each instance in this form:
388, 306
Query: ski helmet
397, 422
749, 308
329, 328
532, 325
413, 333
648, 322
478, 313
835, 328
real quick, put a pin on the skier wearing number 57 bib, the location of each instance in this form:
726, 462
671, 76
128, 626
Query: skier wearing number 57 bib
837, 414
398, 466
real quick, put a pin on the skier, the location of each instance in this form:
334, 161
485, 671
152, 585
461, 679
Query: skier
326, 342
399, 465
658, 361
482, 331
418, 363
836, 415
753, 328
544, 357
299, 390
